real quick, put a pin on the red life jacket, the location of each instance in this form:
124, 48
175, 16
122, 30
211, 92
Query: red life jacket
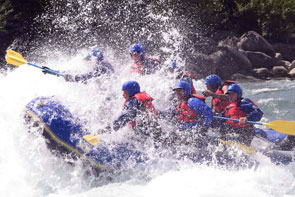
184, 114
146, 100
202, 98
217, 104
191, 75
138, 67
233, 111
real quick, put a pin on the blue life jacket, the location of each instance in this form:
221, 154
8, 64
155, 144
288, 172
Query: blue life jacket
100, 68
251, 109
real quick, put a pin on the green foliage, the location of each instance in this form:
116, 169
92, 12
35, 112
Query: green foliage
16, 15
273, 18
6, 12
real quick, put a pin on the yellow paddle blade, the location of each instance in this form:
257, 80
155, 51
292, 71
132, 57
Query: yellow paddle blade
282, 126
247, 149
14, 58
93, 140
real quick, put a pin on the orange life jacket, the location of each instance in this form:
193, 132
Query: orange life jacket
184, 114
191, 75
218, 105
138, 67
233, 111
146, 100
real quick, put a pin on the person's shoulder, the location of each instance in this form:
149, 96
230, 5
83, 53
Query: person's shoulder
152, 60
194, 101
105, 64
246, 101
131, 102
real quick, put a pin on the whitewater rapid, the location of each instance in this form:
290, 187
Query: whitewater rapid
28, 168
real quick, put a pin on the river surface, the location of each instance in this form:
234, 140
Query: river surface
28, 168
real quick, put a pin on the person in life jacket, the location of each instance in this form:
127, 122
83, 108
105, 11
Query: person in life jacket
192, 116
181, 74
138, 111
242, 109
190, 111
94, 58
217, 90
141, 64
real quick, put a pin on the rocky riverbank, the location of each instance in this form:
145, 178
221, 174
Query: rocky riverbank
249, 56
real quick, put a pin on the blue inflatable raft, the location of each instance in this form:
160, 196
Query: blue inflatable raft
65, 134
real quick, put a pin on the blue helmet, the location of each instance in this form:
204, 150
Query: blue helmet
235, 88
132, 87
185, 85
137, 48
172, 64
96, 53
213, 80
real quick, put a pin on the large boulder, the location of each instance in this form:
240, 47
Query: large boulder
280, 71
252, 41
228, 61
261, 60
287, 50
292, 65
242, 77
230, 41
225, 62
292, 72
262, 73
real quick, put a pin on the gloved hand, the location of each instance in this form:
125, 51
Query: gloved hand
107, 129
69, 78
44, 71
204, 130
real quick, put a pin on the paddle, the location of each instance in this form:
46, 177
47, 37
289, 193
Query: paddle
91, 139
281, 126
16, 59
243, 147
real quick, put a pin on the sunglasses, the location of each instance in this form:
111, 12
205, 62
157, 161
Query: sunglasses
134, 53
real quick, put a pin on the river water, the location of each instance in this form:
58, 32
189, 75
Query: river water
28, 168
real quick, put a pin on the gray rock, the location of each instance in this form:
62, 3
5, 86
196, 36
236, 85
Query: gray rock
230, 41
292, 65
229, 61
287, 50
279, 56
280, 71
261, 60
262, 73
292, 72
286, 64
252, 41
242, 77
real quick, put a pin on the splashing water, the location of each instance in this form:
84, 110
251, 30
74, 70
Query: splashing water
28, 168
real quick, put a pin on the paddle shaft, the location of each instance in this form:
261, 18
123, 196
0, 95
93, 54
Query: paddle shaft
47, 69
237, 120
17, 59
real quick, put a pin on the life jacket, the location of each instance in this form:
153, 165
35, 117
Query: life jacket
136, 68
218, 105
233, 111
146, 102
139, 67
184, 114
191, 75
202, 98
